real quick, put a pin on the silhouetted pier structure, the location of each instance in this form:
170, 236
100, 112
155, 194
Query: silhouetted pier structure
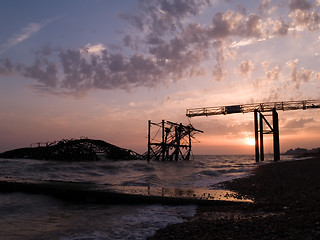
171, 141
259, 109
83, 149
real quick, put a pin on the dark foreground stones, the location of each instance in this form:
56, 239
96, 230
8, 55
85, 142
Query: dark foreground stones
287, 206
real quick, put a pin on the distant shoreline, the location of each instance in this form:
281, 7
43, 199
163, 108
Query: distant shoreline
286, 207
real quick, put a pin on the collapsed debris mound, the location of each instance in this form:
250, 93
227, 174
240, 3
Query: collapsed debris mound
83, 149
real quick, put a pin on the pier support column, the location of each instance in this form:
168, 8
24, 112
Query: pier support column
149, 141
178, 130
187, 156
163, 146
261, 138
256, 134
276, 142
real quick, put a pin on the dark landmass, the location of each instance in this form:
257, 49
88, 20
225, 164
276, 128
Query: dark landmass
83, 149
286, 206
303, 152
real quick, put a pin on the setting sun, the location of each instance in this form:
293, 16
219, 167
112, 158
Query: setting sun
250, 141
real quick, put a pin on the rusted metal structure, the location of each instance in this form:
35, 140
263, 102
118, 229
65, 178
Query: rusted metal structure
246, 108
170, 141
273, 129
83, 149
259, 109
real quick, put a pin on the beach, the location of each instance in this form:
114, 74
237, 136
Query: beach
63, 209
286, 206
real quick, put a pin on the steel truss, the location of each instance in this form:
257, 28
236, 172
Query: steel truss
273, 128
246, 108
174, 142
259, 108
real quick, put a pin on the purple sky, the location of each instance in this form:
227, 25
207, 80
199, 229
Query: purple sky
102, 69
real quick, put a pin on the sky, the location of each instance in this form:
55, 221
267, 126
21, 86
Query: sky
102, 68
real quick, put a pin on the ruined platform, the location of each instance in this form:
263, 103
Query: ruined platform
83, 149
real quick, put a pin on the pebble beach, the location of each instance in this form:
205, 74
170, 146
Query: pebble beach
286, 206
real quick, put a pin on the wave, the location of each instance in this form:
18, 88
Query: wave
143, 167
234, 170
147, 180
209, 173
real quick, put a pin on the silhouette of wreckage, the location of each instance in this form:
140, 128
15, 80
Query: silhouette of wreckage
173, 144
83, 149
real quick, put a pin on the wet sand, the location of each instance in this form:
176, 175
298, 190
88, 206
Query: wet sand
287, 206
106, 194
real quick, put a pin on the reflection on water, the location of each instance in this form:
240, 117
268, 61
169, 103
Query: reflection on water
203, 172
195, 193
37, 217
29, 216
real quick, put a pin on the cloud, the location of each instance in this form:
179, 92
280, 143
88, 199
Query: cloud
298, 123
167, 44
221, 127
231, 23
133, 20
265, 65
246, 67
25, 33
159, 17
44, 72
280, 27
95, 49
219, 73
299, 4
263, 6
298, 76
304, 19
273, 74
306, 74
294, 72
6, 67
81, 72
242, 43
254, 26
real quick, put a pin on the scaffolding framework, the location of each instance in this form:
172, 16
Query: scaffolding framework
259, 109
171, 141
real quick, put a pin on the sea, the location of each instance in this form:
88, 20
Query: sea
35, 216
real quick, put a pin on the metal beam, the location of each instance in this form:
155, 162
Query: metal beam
171, 141
276, 142
149, 141
246, 108
256, 135
163, 146
261, 137
259, 107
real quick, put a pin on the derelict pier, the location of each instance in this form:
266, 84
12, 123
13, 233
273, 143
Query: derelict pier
259, 109
170, 141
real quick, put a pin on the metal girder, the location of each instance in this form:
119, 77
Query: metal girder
246, 108
259, 108
174, 142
